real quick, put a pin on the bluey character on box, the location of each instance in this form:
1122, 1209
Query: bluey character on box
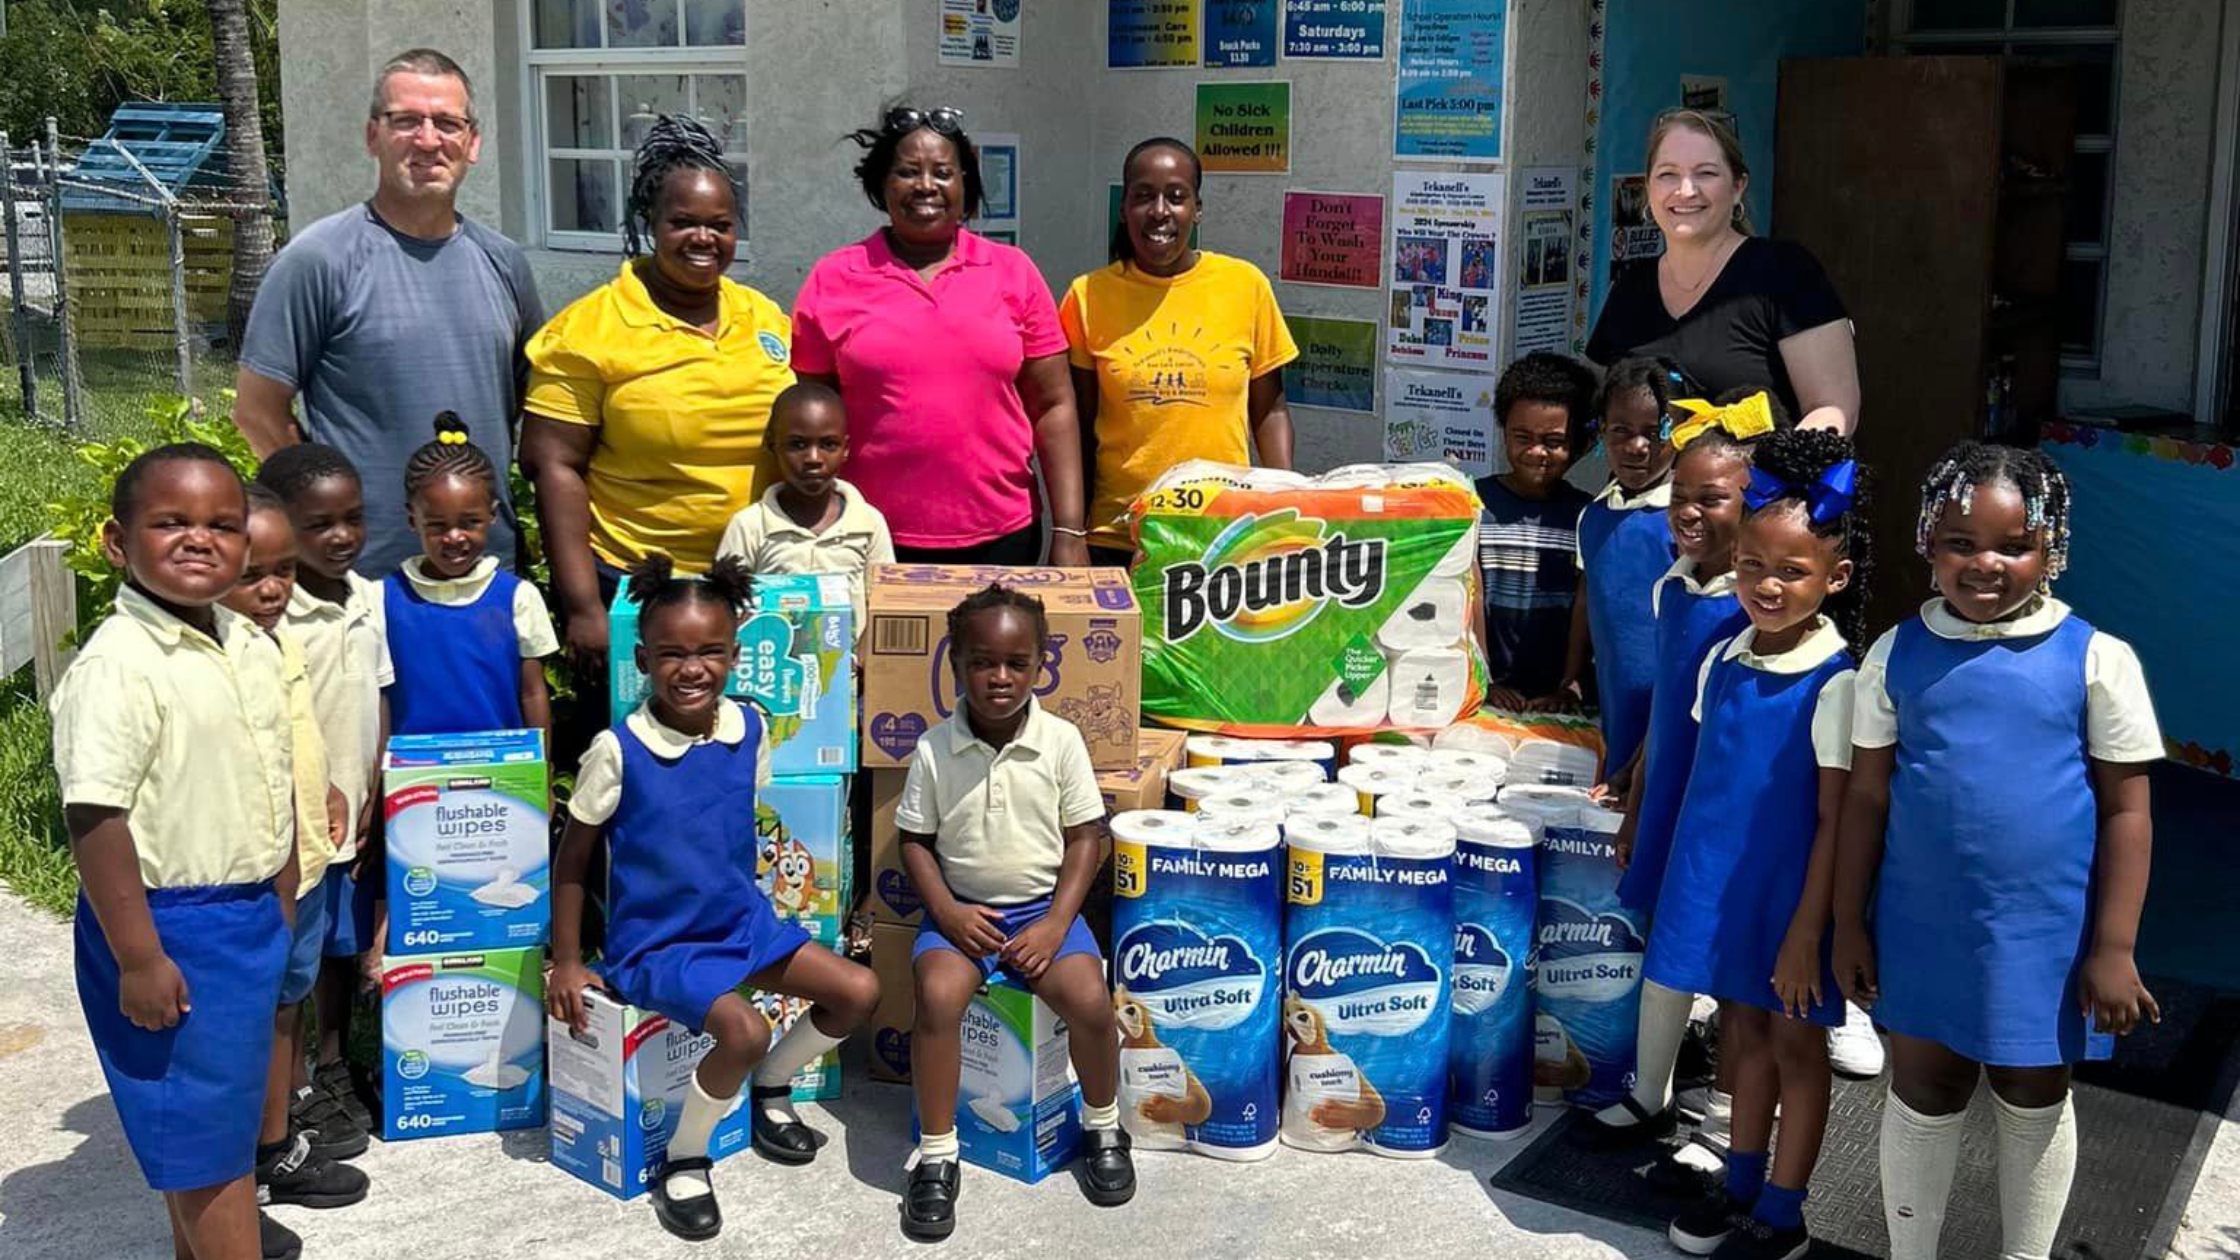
671, 790
793, 875
1164, 1095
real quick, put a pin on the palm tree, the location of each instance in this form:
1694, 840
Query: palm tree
249, 184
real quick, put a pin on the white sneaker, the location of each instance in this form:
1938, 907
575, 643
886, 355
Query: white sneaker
1853, 1050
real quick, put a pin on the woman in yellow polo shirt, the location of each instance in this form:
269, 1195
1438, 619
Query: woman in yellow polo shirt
648, 396
1175, 350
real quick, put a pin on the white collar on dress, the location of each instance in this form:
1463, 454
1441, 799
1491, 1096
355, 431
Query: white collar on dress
668, 743
1818, 644
2037, 617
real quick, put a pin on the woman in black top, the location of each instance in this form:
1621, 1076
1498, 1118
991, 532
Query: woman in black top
1732, 309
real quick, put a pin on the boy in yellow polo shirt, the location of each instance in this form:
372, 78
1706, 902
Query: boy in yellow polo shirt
1002, 832
173, 746
812, 522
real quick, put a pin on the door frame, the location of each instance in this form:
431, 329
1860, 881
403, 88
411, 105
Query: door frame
2218, 357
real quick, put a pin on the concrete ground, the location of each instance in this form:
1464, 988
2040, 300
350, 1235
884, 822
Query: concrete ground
68, 1187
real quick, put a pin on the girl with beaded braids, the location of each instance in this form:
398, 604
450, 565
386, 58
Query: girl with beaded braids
1994, 848
466, 638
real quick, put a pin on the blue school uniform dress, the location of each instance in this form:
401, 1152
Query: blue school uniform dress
1745, 829
1690, 618
686, 921
189, 735
1982, 913
1625, 546
457, 645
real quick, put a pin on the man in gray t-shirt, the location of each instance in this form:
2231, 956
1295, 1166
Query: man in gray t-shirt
381, 315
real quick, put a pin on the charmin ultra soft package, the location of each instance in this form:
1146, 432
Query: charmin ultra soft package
1278, 605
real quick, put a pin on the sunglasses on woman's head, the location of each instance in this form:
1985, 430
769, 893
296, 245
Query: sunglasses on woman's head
943, 119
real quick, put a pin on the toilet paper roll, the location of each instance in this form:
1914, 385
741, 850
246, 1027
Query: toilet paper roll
1412, 837
1340, 705
1459, 784
1382, 754
1188, 786
1230, 834
1429, 686
1544, 761
1170, 828
1471, 761
1318, 752
1417, 803
1487, 824
1541, 807
1284, 776
1327, 833
1372, 781
1471, 737
1242, 803
1323, 798
1435, 615
1213, 750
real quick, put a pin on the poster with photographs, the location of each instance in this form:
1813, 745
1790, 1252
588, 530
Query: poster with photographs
1544, 242
1634, 238
979, 33
1446, 262
1439, 417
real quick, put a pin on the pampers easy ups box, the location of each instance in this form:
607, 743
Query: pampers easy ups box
1018, 1105
1090, 667
804, 854
467, 842
617, 1089
462, 1049
796, 660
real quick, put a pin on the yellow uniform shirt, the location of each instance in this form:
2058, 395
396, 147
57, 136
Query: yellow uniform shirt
189, 735
998, 816
312, 775
1175, 358
769, 541
346, 654
680, 413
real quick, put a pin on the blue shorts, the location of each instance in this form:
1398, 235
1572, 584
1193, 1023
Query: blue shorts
1016, 919
349, 913
305, 948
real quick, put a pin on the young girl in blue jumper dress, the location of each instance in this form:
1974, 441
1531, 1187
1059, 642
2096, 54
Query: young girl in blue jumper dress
1695, 607
1997, 825
468, 638
671, 791
1625, 545
1743, 909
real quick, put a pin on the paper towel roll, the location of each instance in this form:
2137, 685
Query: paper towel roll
1417, 803
1381, 754
1323, 798
1460, 558
1373, 781
1327, 833
1188, 786
1471, 737
1459, 784
1166, 827
1487, 824
1243, 803
1231, 834
1435, 615
1412, 837
1339, 705
1544, 761
1429, 686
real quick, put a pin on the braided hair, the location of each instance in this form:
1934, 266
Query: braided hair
673, 143
654, 585
1797, 457
452, 454
292, 470
991, 596
2040, 482
1122, 248
124, 496
1664, 379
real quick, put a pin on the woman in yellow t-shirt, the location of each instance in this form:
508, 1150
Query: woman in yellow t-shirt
648, 396
1175, 350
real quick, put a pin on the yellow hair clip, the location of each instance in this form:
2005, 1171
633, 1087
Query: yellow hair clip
452, 437
1748, 418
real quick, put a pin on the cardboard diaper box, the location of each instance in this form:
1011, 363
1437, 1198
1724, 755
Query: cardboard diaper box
1018, 1103
889, 1034
1091, 667
1144, 784
796, 660
462, 1049
467, 842
804, 852
617, 1090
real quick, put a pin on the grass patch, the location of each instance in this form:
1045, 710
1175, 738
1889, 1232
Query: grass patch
34, 848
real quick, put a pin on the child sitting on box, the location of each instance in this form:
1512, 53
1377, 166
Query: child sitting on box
468, 639
812, 522
1528, 531
1002, 832
296, 1163
173, 748
671, 790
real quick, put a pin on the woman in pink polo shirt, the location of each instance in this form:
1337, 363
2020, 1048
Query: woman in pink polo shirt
947, 350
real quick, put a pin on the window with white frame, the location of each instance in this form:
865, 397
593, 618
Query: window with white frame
2084, 33
600, 72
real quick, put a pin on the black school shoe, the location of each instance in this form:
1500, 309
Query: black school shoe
341, 1088
1647, 1126
929, 1202
696, 1219
333, 1134
1108, 1172
296, 1175
1704, 1228
1753, 1239
276, 1241
781, 1141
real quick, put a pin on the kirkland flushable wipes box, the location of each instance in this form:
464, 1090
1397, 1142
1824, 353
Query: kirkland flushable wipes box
467, 841
461, 1043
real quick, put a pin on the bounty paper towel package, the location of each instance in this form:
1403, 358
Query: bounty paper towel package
1018, 1105
1496, 905
617, 1089
1368, 962
1090, 675
1345, 604
796, 660
805, 857
1197, 941
1587, 963
462, 1043
467, 841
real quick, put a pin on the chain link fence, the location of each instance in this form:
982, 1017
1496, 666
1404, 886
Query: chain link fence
116, 285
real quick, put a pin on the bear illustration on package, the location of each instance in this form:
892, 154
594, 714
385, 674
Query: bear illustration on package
1161, 1093
1329, 1099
